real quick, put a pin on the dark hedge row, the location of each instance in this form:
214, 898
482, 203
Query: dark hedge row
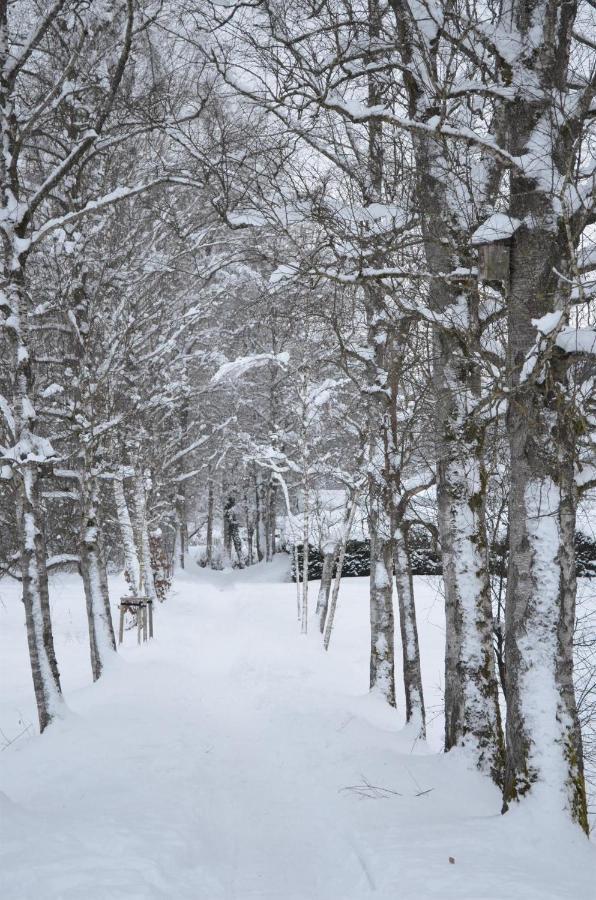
426, 560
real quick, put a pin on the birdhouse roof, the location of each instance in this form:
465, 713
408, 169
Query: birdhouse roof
498, 227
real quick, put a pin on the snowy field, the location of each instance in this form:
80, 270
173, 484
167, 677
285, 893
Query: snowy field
231, 758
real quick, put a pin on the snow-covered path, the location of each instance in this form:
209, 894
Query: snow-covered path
227, 759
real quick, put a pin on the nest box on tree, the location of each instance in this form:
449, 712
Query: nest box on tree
493, 242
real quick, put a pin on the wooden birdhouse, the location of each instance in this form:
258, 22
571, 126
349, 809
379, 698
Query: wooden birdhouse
493, 242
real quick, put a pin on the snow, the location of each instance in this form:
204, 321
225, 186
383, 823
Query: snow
284, 272
239, 367
497, 227
577, 340
327, 519
232, 758
547, 324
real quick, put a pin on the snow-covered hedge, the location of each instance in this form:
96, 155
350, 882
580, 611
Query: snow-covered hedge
426, 559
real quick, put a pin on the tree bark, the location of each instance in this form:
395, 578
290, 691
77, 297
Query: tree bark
305, 555
44, 668
544, 748
415, 713
472, 714
132, 566
338, 573
210, 506
272, 519
142, 529
102, 642
232, 529
261, 540
329, 556
182, 530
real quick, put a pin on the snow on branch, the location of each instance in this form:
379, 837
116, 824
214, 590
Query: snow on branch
577, 340
109, 199
359, 112
239, 367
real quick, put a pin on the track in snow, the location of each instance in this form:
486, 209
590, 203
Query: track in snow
230, 758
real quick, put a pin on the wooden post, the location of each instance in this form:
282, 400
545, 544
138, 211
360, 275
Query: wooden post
143, 606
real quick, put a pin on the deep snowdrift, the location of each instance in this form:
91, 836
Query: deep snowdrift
232, 758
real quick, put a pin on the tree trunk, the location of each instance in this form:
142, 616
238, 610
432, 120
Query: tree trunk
409, 634
382, 670
143, 544
210, 505
29, 512
543, 732
232, 530
44, 668
544, 746
102, 642
132, 566
329, 555
182, 530
272, 519
305, 558
472, 715
261, 540
338, 573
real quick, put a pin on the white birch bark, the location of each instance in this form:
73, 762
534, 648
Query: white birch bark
337, 580
132, 565
329, 557
142, 531
44, 669
415, 714
102, 641
29, 451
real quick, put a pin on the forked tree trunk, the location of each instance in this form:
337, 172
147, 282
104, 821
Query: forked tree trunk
44, 668
415, 713
329, 555
19, 417
338, 573
472, 715
102, 642
30, 517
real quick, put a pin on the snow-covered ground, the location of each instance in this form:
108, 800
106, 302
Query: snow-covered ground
232, 758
